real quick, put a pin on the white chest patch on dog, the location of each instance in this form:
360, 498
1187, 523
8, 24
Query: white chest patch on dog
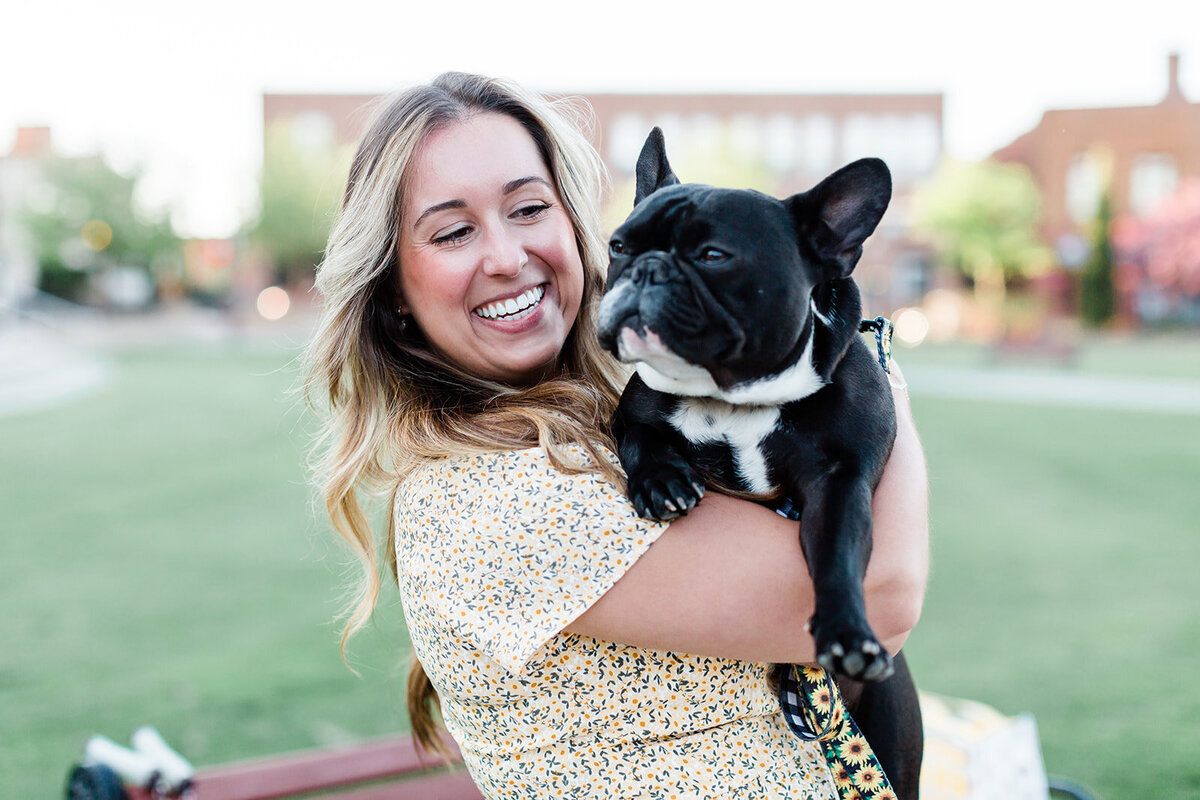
797, 381
743, 428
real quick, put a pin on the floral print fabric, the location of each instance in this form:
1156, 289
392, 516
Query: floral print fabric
813, 709
496, 554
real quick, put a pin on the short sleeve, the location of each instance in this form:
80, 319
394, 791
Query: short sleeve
507, 550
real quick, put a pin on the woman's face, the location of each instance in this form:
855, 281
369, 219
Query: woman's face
489, 267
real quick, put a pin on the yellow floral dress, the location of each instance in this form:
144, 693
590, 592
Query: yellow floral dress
497, 553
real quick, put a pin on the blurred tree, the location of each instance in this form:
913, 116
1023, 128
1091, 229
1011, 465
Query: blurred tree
87, 220
1158, 257
1096, 299
299, 195
982, 219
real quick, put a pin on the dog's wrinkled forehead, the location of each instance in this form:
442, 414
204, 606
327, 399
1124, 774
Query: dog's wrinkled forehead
686, 213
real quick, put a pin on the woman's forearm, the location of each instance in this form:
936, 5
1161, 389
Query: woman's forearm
899, 566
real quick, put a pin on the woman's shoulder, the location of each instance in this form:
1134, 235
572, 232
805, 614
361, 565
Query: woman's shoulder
517, 491
508, 468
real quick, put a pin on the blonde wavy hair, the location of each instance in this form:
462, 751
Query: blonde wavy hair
390, 402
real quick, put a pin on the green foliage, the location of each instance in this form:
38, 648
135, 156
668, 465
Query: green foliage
80, 191
299, 197
982, 218
1096, 300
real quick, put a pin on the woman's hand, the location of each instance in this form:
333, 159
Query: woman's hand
730, 579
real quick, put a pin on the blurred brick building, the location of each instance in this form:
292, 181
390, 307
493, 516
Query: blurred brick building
1144, 150
1144, 154
796, 139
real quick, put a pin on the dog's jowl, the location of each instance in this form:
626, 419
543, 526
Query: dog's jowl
740, 314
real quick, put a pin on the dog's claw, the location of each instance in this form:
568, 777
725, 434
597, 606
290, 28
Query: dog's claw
878, 670
853, 664
665, 491
850, 651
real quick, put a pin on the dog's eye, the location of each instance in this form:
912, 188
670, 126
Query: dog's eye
616, 247
711, 255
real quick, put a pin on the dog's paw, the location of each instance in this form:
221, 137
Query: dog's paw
851, 653
665, 490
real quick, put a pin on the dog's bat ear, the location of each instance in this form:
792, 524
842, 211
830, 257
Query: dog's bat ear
653, 171
837, 215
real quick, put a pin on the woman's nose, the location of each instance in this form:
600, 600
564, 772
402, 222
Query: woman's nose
505, 255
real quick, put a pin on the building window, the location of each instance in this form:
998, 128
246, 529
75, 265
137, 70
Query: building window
1152, 179
1084, 184
820, 142
313, 131
781, 143
625, 138
746, 137
909, 143
922, 143
861, 136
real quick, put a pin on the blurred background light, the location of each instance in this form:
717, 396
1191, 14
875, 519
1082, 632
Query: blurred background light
943, 309
218, 253
273, 303
96, 234
912, 326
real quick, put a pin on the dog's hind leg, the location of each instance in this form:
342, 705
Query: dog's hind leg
889, 716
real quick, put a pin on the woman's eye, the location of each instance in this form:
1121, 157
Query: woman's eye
452, 236
530, 211
711, 255
616, 248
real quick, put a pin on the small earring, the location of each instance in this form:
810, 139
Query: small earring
403, 319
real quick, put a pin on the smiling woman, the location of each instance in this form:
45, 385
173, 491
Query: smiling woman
572, 647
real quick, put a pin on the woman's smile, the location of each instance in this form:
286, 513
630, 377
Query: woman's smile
516, 308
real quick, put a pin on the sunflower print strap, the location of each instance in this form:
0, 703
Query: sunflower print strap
814, 710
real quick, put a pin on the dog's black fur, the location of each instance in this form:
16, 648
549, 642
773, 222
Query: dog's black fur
752, 375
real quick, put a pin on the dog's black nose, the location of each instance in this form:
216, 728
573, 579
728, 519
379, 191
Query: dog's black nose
653, 268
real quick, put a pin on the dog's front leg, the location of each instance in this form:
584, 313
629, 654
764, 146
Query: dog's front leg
663, 484
835, 531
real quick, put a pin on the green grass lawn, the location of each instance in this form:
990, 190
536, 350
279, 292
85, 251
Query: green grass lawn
162, 563
1064, 551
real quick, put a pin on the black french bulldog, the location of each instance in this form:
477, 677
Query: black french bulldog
751, 375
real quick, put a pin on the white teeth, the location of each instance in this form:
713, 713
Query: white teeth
513, 305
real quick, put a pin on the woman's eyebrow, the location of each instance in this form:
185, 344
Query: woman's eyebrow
436, 207
513, 185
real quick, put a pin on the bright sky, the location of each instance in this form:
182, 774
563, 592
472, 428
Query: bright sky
177, 87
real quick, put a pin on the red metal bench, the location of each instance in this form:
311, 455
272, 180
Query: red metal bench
387, 769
